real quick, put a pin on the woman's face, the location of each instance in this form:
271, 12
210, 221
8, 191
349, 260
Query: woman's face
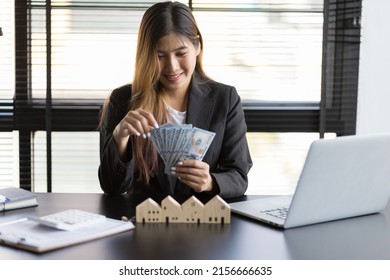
177, 60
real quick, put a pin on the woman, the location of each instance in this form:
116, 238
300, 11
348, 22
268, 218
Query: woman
170, 86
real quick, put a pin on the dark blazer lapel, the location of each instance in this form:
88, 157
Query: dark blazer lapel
199, 111
200, 106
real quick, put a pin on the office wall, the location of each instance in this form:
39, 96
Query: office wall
373, 112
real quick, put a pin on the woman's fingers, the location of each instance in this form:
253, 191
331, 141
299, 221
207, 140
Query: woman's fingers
195, 174
140, 122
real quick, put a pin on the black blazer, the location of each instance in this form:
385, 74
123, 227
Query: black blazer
211, 106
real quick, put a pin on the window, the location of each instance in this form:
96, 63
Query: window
9, 161
71, 54
7, 67
75, 161
270, 52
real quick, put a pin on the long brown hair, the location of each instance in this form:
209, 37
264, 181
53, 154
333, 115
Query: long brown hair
158, 21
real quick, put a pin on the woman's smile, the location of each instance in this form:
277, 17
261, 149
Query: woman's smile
173, 78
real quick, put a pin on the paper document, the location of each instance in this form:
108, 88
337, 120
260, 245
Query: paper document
31, 236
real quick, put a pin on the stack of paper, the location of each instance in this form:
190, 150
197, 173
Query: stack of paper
176, 143
29, 235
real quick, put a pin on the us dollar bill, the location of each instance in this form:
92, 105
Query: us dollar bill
176, 143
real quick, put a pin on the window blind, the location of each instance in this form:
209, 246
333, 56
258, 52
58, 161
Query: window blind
92, 46
7, 66
9, 162
269, 50
7, 73
9, 159
75, 161
340, 69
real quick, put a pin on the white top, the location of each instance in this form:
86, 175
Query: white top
177, 117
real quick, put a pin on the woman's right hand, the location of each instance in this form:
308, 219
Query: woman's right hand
139, 123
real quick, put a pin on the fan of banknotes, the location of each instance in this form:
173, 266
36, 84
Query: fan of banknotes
176, 143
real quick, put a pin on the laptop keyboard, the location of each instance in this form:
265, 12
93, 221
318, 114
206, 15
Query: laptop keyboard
280, 213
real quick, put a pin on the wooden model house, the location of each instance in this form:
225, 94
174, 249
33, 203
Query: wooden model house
148, 211
217, 211
171, 210
192, 210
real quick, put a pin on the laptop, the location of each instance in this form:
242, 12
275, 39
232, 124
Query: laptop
343, 177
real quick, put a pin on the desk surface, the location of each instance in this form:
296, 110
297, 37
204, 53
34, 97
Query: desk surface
366, 237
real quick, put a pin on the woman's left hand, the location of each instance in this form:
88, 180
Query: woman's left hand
195, 174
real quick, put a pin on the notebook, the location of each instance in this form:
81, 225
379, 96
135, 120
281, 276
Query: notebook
342, 177
15, 198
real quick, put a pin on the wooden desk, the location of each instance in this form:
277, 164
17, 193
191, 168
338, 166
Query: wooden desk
366, 237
